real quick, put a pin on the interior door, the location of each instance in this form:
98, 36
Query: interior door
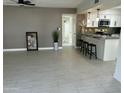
71, 33
67, 31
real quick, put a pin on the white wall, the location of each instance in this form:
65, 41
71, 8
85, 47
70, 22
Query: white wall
19, 20
84, 6
111, 12
117, 74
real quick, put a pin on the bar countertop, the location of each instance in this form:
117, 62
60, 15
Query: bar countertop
97, 36
107, 45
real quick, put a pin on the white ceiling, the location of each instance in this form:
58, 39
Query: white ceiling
49, 3
118, 7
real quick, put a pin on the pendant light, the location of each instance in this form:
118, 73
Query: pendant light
97, 18
89, 14
88, 17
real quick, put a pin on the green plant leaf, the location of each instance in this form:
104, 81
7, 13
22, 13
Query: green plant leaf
55, 36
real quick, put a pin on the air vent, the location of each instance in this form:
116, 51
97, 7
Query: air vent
96, 1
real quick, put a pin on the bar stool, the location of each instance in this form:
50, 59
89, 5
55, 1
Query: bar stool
81, 45
85, 43
92, 52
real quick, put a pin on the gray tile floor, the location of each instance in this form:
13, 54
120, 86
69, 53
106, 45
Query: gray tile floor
65, 71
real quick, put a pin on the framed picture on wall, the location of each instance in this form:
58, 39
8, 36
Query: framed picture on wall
32, 41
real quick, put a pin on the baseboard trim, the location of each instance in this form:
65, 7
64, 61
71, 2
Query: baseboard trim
16, 49
47, 48
76, 47
24, 49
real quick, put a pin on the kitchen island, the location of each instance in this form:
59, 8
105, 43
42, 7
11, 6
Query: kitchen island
107, 46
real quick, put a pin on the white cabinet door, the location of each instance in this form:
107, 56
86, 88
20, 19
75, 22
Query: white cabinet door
118, 20
91, 22
108, 16
95, 22
101, 16
112, 20
115, 21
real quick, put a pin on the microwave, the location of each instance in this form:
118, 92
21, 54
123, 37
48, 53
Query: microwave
104, 23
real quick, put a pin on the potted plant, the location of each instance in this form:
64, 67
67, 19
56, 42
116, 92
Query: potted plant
55, 39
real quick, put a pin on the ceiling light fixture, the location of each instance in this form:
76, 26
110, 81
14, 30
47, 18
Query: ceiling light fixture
97, 18
88, 20
89, 15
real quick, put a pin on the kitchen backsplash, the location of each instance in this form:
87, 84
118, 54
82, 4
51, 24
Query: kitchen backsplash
112, 30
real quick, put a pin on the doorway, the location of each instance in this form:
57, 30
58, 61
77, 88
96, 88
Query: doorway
69, 30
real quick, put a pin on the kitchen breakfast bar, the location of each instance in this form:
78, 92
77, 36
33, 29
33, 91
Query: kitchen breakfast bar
107, 46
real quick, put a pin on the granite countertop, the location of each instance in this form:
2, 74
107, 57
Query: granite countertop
97, 36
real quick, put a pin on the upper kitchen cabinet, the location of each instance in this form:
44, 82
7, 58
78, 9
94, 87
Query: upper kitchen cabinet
115, 21
91, 20
118, 21
114, 15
